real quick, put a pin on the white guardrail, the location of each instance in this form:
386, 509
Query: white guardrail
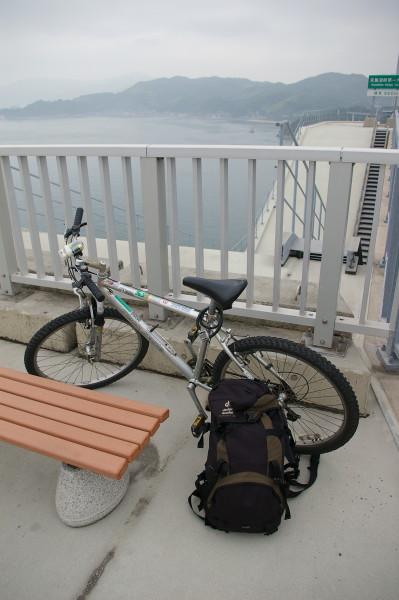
157, 174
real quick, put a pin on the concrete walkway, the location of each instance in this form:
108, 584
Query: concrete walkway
342, 540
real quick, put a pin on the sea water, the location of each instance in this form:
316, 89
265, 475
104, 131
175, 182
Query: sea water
147, 130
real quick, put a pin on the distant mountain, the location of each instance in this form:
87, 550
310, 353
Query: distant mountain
25, 91
215, 96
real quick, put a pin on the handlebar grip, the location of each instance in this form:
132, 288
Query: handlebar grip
78, 218
95, 290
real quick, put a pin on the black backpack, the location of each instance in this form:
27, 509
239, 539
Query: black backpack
251, 461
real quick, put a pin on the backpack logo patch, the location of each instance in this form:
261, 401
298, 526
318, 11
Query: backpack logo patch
227, 411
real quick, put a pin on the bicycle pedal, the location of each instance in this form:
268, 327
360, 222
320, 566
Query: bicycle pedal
199, 426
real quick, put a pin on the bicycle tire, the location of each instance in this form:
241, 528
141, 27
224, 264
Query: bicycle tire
79, 316
297, 352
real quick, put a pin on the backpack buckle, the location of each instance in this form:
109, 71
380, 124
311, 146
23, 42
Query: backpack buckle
252, 416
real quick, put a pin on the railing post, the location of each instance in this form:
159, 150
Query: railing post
156, 245
8, 258
336, 219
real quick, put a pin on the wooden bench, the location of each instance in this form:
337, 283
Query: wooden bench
84, 428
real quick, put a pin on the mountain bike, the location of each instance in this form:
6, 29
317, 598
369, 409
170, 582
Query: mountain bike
96, 345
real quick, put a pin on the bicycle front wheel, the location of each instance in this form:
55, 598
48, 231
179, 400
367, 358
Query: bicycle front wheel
60, 350
322, 409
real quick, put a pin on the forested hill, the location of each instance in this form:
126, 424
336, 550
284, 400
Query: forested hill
212, 96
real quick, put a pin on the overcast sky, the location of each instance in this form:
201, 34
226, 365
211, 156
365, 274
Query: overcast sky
279, 40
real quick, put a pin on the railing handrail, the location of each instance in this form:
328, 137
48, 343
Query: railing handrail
314, 153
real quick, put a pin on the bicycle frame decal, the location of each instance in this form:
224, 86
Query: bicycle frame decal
144, 295
123, 303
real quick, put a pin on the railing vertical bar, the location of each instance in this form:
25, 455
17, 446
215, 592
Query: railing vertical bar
65, 189
14, 216
278, 241
50, 217
308, 228
251, 231
174, 239
33, 228
320, 217
224, 218
131, 220
373, 238
294, 199
86, 201
109, 215
198, 219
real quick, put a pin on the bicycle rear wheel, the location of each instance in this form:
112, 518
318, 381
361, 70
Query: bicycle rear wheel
59, 349
318, 395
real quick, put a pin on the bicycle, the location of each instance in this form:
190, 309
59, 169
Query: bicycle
97, 345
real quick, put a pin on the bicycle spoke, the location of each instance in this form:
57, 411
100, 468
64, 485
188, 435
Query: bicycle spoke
311, 395
64, 354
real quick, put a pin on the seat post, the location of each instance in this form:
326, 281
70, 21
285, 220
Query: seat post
211, 309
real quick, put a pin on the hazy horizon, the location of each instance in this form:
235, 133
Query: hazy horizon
78, 46
68, 89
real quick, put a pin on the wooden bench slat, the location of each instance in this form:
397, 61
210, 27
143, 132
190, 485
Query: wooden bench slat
69, 432
121, 432
69, 452
92, 395
76, 404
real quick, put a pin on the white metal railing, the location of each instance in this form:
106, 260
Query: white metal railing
156, 177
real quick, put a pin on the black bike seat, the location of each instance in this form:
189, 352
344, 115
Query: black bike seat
222, 291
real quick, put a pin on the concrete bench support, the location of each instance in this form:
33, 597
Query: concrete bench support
83, 497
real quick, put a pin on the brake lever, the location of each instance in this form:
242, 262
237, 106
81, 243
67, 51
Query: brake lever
73, 230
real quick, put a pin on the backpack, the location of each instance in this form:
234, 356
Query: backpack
251, 460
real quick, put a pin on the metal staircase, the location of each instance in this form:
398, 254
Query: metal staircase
365, 223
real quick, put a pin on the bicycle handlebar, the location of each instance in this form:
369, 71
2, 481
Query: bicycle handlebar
77, 224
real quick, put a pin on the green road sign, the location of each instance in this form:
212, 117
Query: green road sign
383, 85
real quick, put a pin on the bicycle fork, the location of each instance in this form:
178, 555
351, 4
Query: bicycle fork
94, 342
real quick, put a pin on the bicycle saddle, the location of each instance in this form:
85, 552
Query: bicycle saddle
222, 291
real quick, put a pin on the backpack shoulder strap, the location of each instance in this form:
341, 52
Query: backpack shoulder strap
190, 502
313, 468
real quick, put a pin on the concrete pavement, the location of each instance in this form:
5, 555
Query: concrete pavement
342, 540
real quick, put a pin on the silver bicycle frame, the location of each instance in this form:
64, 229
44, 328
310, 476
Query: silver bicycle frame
109, 286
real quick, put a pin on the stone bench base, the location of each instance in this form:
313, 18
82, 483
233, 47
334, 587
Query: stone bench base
83, 497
